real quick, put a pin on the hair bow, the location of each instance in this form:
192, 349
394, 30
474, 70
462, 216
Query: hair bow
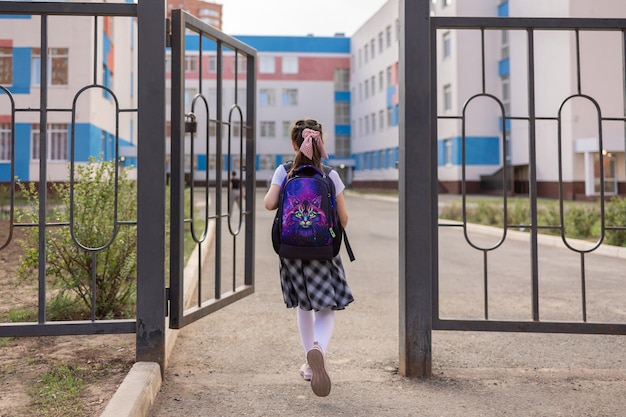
306, 148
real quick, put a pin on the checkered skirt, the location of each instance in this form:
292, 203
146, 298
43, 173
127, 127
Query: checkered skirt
314, 285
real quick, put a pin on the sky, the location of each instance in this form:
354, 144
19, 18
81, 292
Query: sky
296, 17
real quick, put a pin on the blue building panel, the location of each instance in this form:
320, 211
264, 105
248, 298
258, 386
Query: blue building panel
394, 116
342, 130
21, 71
504, 67
201, 162
503, 9
299, 44
342, 96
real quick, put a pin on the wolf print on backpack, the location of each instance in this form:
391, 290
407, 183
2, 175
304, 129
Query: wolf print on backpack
306, 224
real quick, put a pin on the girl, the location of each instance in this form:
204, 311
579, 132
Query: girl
315, 288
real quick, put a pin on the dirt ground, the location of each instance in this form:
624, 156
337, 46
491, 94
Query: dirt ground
102, 360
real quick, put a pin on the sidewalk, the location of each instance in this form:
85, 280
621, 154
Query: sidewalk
244, 359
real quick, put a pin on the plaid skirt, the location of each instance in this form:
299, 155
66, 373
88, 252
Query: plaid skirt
314, 285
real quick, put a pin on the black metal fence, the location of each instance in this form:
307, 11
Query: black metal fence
145, 106
420, 296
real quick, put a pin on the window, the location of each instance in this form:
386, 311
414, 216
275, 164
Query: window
506, 94
6, 66
381, 82
290, 97
266, 161
365, 52
242, 65
381, 119
389, 117
342, 146
267, 97
388, 36
213, 63
373, 48
290, 65
360, 92
268, 129
504, 45
267, 65
367, 88
446, 45
447, 97
447, 3
342, 112
447, 143
56, 142
610, 173
286, 129
191, 63
5, 142
342, 79
373, 84
360, 58
388, 71
57, 66
367, 125
373, 122
381, 43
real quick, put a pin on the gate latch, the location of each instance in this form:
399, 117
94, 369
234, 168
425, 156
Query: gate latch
191, 126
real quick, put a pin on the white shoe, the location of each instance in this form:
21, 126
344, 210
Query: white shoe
320, 380
306, 372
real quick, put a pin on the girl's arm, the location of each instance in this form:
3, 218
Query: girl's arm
342, 211
271, 197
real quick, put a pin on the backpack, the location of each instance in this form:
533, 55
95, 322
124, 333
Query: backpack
307, 225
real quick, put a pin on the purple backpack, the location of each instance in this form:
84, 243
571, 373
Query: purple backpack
306, 225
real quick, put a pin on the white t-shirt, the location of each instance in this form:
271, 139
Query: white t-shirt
281, 173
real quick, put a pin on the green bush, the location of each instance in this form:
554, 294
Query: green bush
615, 216
578, 221
110, 248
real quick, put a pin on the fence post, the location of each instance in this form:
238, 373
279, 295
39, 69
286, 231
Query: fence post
417, 183
151, 182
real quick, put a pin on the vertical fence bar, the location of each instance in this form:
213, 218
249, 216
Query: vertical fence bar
417, 163
151, 183
43, 165
250, 183
532, 180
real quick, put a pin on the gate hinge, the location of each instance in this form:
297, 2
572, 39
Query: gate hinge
168, 32
167, 301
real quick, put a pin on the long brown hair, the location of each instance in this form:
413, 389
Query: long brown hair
296, 137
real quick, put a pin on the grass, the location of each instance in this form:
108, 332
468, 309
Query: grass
57, 391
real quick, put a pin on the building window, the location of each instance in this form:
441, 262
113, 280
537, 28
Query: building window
381, 43
360, 92
367, 88
388, 71
242, 65
56, 141
286, 129
6, 66
5, 142
373, 82
367, 125
447, 97
212, 64
381, 83
504, 45
366, 52
342, 146
373, 122
267, 97
266, 161
342, 79
290, 65
610, 173
268, 129
373, 48
342, 113
57, 66
381, 119
506, 94
191, 63
447, 143
446, 3
389, 117
446, 45
360, 58
267, 65
290, 97
388, 36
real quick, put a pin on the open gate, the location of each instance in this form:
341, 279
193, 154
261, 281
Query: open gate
420, 118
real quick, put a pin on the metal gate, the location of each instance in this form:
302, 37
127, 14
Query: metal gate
213, 114
140, 95
420, 311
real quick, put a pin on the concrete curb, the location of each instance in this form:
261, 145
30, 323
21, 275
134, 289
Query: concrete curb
137, 392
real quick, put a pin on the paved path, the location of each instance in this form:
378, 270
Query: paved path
244, 359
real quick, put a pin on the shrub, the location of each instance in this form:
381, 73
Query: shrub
109, 249
615, 216
578, 220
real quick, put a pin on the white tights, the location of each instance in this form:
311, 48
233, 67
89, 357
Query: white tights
316, 326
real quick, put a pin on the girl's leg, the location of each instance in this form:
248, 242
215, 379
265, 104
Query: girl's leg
306, 320
324, 325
